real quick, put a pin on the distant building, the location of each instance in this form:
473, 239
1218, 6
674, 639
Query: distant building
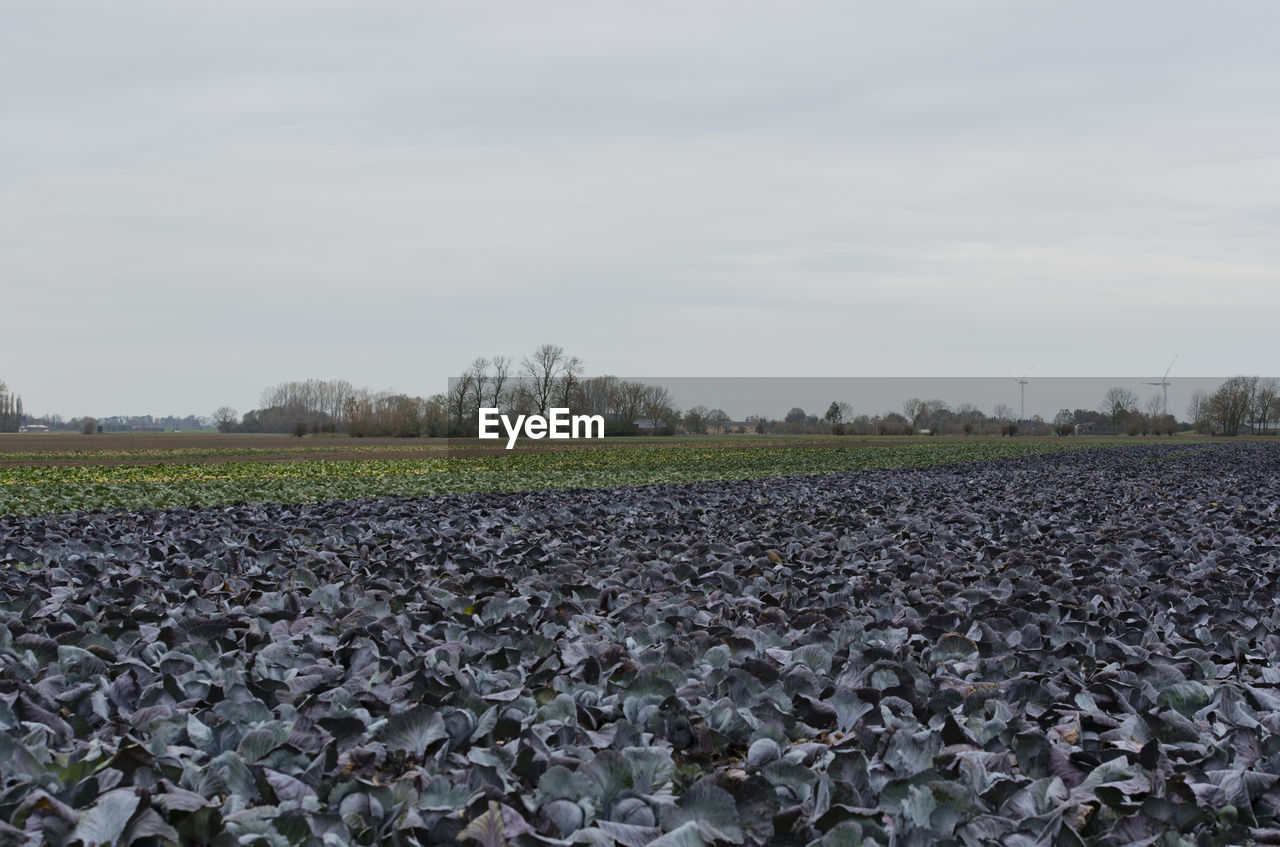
33, 428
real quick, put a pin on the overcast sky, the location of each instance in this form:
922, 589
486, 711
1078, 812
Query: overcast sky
201, 199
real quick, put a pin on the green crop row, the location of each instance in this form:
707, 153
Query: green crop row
29, 490
289, 448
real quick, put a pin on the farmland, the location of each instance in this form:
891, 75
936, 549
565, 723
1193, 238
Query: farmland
1046, 647
144, 448
62, 474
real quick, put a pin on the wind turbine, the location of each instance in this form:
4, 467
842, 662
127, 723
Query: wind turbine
1022, 392
1164, 386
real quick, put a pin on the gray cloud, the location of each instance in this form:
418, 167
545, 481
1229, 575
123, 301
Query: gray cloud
204, 198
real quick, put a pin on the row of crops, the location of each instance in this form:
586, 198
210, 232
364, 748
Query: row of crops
1077, 648
30, 490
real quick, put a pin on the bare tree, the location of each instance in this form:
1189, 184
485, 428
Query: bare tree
571, 375
1230, 404
501, 370
970, 418
357, 414
658, 407
542, 369
10, 410
521, 399
1155, 406
1198, 410
225, 417
435, 415
629, 401
333, 397
914, 410
399, 415
597, 395
479, 371
460, 389
1265, 396
1117, 404
319, 403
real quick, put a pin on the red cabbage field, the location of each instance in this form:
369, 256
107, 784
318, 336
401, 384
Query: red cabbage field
1072, 648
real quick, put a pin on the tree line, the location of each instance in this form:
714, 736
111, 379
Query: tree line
936, 417
547, 378
10, 409
1241, 403
333, 406
551, 377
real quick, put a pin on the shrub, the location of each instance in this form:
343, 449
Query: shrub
613, 429
300, 429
